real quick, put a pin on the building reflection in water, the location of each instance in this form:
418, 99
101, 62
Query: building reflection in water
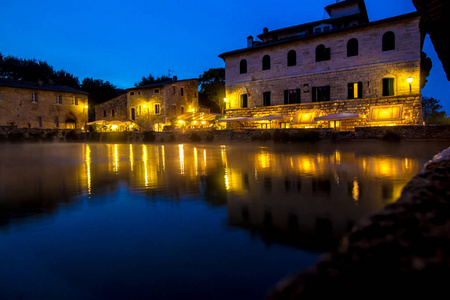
293, 194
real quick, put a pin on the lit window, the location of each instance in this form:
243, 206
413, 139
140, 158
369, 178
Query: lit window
388, 86
385, 113
305, 117
291, 96
34, 98
354, 90
244, 100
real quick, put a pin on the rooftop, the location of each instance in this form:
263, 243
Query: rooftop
39, 86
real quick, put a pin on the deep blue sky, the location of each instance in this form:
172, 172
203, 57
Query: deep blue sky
123, 40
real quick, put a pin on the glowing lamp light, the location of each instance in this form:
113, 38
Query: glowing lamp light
143, 106
180, 122
114, 127
225, 99
195, 122
409, 79
203, 122
86, 107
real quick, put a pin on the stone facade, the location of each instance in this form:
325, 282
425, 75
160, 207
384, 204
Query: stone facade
42, 105
112, 110
365, 76
153, 106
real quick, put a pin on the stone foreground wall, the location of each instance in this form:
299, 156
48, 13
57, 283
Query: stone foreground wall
402, 250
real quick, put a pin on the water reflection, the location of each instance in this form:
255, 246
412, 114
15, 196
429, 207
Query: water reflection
289, 194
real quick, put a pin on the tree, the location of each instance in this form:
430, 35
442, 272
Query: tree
212, 86
151, 79
99, 91
425, 68
432, 113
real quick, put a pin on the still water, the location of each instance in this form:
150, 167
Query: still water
182, 221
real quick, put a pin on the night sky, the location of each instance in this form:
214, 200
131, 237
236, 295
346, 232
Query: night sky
123, 40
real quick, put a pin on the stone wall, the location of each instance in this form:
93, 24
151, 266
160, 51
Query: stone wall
114, 109
411, 111
368, 67
17, 108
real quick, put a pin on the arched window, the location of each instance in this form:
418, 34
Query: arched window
292, 58
266, 62
388, 86
322, 53
388, 41
352, 47
243, 66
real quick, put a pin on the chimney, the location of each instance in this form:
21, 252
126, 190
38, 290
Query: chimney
265, 30
174, 78
249, 41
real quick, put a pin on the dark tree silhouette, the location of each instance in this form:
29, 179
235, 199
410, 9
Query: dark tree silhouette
150, 79
212, 88
432, 111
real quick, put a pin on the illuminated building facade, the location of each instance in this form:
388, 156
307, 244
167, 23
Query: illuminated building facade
41, 105
342, 72
152, 106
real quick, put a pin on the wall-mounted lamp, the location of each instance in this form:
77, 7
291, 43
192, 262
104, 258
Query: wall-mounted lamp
409, 80
225, 103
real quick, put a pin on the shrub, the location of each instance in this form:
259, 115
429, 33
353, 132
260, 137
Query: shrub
149, 136
50, 135
209, 137
262, 136
35, 136
71, 136
194, 137
172, 138
17, 136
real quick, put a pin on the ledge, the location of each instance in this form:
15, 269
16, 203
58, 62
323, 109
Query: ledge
402, 250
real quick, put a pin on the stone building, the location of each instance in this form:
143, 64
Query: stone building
342, 72
152, 106
42, 105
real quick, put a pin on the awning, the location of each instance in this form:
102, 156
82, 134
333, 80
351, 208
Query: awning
337, 117
237, 119
266, 118
101, 122
303, 117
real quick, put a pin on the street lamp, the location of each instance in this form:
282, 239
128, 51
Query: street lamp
225, 103
409, 80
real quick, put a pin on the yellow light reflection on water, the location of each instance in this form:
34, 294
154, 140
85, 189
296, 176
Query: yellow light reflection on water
116, 159
181, 155
88, 167
223, 153
145, 160
163, 154
131, 157
204, 157
227, 181
355, 191
196, 161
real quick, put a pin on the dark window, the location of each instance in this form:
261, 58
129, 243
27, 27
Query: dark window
112, 113
291, 96
354, 90
322, 53
182, 110
156, 91
291, 58
352, 47
58, 99
244, 101
182, 91
156, 108
326, 28
131, 93
104, 113
388, 86
56, 122
243, 66
39, 122
133, 114
139, 92
76, 101
34, 98
266, 99
388, 41
266, 62
321, 93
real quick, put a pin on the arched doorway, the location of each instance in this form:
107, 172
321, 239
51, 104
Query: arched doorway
70, 121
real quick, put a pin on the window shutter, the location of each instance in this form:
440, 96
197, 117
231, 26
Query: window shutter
391, 86
286, 97
297, 91
350, 90
327, 93
360, 87
314, 93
